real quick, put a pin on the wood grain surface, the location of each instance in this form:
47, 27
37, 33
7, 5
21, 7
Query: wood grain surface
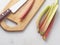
16, 17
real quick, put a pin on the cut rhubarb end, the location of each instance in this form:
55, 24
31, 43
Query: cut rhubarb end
44, 38
41, 33
56, 1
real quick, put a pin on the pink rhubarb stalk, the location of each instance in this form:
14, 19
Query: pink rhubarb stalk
25, 12
48, 29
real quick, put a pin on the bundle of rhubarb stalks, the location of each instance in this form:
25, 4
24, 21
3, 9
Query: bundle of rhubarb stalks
46, 19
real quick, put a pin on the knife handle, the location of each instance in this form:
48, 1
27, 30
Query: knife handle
4, 14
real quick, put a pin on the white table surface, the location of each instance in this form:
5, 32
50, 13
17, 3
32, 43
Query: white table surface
30, 36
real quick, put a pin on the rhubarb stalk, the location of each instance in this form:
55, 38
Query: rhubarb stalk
40, 16
50, 18
43, 27
44, 21
48, 29
25, 12
41, 23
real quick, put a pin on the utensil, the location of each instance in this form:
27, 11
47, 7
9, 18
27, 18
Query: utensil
12, 9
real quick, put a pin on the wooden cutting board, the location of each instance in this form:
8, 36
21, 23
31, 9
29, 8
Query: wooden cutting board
20, 26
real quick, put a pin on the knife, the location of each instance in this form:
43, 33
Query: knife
12, 9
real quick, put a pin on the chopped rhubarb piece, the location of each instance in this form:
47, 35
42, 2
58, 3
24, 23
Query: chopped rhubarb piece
28, 8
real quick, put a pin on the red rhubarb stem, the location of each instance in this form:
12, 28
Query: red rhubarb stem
48, 29
29, 6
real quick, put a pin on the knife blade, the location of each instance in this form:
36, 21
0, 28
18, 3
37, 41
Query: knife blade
12, 9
